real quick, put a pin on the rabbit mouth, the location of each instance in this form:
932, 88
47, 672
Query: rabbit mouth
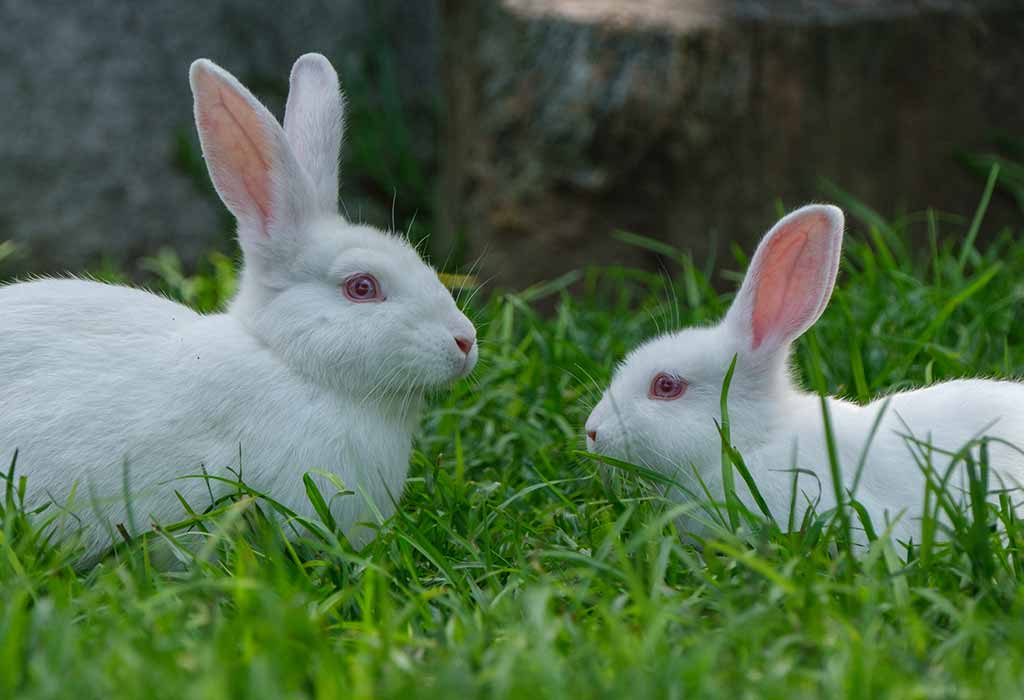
467, 366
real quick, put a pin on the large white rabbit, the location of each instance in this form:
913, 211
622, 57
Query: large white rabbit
320, 363
664, 400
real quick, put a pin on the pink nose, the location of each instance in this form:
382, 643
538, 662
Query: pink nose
592, 434
465, 344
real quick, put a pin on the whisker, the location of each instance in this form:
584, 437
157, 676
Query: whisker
408, 230
394, 203
472, 270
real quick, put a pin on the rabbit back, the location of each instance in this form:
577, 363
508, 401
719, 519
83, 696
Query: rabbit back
892, 442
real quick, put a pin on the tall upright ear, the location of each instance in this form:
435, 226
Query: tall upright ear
314, 121
250, 162
790, 279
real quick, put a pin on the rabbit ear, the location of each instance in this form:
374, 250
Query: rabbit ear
250, 162
314, 123
790, 278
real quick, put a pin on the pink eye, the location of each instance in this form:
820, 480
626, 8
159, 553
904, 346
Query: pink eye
362, 287
666, 387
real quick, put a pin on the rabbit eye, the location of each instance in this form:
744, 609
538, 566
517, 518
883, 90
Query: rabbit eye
666, 387
362, 287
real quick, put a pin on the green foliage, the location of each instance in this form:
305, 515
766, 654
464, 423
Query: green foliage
514, 568
380, 143
1007, 153
207, 291
7, 250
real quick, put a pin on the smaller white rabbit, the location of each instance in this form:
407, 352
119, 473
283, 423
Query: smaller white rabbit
664, 400
319, 364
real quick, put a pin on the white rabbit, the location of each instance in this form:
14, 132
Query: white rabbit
664, 400
320, 362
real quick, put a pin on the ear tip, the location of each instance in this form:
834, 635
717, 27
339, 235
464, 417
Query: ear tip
313, 57
203, 70
837, 220
201, 65
832, 215
314, 64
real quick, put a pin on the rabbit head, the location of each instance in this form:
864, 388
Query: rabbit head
346, 305
664, 400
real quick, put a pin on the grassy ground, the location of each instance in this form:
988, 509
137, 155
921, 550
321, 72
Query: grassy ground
513, 570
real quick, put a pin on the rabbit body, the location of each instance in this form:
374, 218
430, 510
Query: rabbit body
893, 456
111, 389
115, 397
663, 405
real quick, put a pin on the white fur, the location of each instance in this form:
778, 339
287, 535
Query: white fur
105, 384
776, 426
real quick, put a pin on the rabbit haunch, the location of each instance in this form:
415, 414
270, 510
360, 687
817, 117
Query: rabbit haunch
778, 429
108, 388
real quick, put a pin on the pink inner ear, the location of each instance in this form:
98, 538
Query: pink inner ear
237, 149
791, 279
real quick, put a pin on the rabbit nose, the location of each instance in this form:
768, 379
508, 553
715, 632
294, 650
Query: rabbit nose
465, 344
592, 434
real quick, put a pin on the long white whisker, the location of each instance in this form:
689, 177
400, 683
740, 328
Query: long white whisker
394, 203
381, 369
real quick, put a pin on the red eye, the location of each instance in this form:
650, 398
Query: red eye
666, 387
362, 287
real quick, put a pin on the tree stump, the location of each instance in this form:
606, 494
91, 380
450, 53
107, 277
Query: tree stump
687, 120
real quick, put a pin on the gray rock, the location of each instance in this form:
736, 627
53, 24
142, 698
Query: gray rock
96, 130
685, 120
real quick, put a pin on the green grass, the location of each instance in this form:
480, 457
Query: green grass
514, 570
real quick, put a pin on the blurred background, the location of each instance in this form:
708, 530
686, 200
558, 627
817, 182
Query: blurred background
525, 138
